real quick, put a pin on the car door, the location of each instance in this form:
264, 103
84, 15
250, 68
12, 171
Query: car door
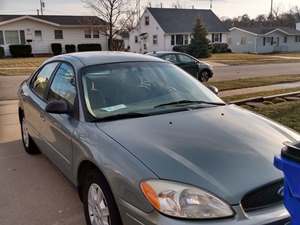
188, 64
171, 58
58, 128
35, 103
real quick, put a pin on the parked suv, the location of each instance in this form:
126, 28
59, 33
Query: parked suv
200, 70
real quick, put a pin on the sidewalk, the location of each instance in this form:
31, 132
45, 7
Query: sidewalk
259, 89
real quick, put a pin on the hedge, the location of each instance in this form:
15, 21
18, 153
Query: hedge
89, 47
70, 48
2, 52
56, 48
219, 48
182, 48
20, 50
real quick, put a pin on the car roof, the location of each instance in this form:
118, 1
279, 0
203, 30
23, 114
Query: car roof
163, 52
104, 57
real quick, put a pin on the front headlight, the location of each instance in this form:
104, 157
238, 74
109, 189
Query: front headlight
184, 201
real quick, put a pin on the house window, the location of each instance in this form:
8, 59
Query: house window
136, 39
172, 40
285, 39
243, 40
297, 38
58, 34
22, 37
179, 39
147, 20
88, 33
155, 40
216, 37
264, 41
186, 39
12, 37
38, 35
145, 46
1, 38
96, 33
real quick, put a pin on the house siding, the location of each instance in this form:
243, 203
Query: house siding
235, 41
152, 29
164, 39
255, 43
70, 35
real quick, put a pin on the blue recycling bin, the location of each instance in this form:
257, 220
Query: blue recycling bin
289, 164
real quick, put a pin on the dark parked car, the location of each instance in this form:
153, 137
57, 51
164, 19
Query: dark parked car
146, 143
200, 70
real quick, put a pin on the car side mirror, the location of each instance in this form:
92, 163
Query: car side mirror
58, 107
213, 89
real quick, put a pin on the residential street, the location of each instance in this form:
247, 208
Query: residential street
33, 191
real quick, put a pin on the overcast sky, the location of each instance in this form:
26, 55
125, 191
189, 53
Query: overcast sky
226, 8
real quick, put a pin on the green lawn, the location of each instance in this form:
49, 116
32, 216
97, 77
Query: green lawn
257, 94
254, 82
247, 59
286, 113
19, 66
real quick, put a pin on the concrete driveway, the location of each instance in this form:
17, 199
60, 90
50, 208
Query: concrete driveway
33, 191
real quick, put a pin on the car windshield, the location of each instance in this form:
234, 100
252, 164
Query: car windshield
141, 87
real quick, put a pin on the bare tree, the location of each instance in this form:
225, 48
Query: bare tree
114, 12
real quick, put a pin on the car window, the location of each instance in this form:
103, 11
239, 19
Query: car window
63, 85
119, 88
185, 59
171, 58
40, 82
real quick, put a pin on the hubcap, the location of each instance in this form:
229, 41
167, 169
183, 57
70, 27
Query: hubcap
205, 75
25, 133
97, 205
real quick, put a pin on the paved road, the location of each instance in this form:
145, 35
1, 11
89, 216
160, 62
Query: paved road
33, 191
237, 72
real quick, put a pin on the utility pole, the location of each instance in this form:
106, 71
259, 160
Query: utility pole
271, 13
42, 6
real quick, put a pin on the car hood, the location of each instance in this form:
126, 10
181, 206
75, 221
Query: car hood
226, 150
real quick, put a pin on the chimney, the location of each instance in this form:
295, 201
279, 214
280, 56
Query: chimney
161, 5
38, 12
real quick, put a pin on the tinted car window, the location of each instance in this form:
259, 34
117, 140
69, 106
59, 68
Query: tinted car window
185, 59
41, 80
171, 58
63, 85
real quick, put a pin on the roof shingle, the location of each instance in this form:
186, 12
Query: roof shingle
173, 20
60, 19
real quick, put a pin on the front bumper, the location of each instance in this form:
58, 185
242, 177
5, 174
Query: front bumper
273, 216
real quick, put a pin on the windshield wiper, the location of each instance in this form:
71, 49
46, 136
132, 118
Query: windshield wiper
122, 116
188, 102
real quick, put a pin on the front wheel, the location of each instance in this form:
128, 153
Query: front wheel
28, 143
99, 205
204, 75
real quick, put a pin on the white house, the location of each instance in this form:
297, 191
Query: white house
264, 39
163, 28
41, 31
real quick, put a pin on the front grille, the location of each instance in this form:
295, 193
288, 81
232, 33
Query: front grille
263, 197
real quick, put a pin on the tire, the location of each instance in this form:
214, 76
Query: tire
205, 75
96, 185
27, 141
